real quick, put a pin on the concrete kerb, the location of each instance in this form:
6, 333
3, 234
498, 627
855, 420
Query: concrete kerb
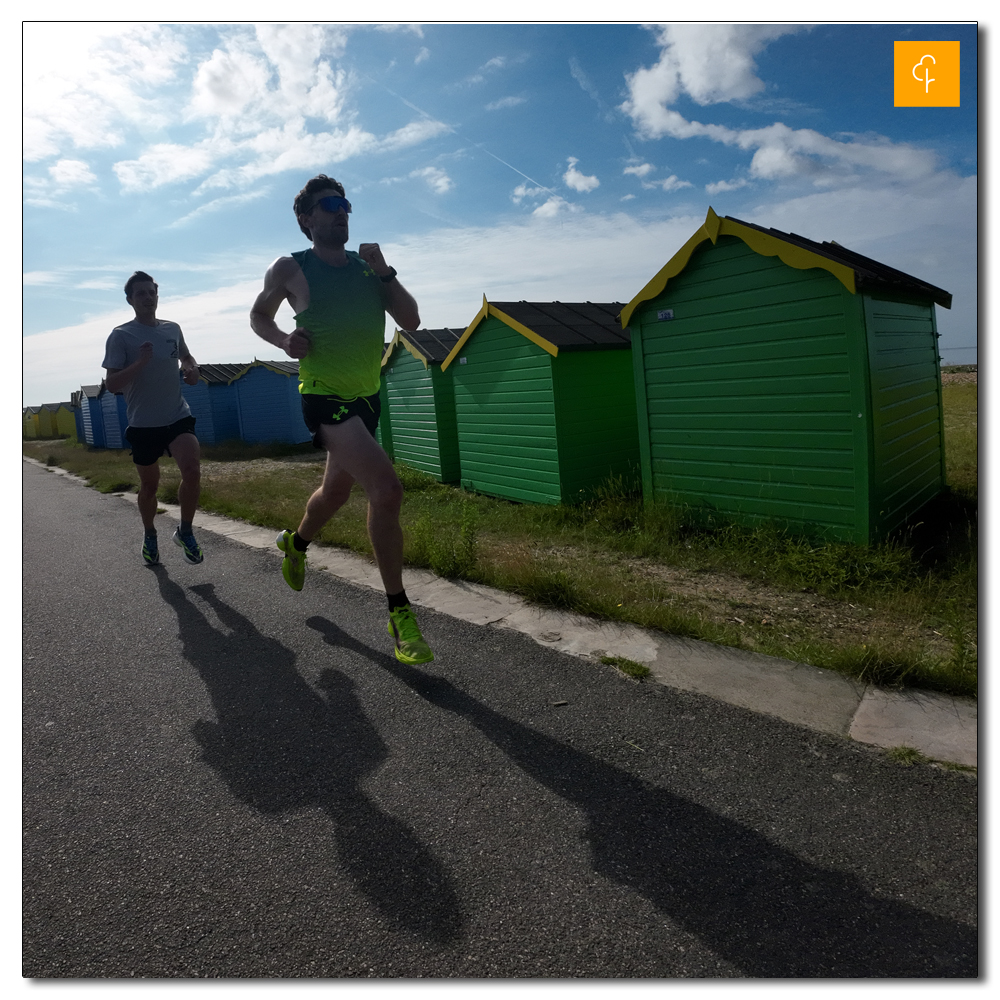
941, 727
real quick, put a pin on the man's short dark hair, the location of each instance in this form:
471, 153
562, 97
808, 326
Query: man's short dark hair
138, 276
304, 199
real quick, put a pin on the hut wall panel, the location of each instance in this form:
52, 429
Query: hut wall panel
595, 420
266, 400
907, 422
197, 397
505, 411
87, 407
410, 392
383, 432
113, 437
447, 425
748, 389
225, 406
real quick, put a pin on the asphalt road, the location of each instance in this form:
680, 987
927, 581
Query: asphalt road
224, 778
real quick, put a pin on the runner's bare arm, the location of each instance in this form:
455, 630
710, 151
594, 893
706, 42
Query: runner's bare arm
189, 368
266, 305
399, 303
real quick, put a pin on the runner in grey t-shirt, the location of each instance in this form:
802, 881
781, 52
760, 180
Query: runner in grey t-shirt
141, 358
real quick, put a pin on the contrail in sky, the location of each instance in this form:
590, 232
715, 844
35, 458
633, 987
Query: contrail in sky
454, 131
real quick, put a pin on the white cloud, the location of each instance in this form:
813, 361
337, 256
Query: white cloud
719, 186
553, 207
641, 170
523, 191
39, 278
437, 179
72, 173
413, 134
671, 183
217, 204
505, 102
714, 63
422, 56
86, 83
578, 181
164, 163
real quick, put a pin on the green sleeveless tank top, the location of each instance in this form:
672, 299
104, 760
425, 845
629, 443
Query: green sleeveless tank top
346, 317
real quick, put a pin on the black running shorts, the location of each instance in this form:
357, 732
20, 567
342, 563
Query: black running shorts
318, 410
149, 443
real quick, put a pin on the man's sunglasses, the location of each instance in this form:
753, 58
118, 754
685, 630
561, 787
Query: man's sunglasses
331, 203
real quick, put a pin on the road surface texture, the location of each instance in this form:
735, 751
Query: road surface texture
227, 779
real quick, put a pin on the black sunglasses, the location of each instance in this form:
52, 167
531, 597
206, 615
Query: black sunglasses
331, 203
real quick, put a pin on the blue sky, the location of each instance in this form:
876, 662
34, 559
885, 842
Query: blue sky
528, 161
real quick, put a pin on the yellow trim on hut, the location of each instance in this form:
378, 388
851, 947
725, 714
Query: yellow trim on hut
491, 310
763, 243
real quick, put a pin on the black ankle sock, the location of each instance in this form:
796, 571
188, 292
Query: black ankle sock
299, 542
185, 527
150, 532
399, 600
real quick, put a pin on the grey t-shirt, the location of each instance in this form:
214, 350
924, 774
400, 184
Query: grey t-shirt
153, 398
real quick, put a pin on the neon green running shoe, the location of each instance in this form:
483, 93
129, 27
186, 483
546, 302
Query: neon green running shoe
410, 645
293, 566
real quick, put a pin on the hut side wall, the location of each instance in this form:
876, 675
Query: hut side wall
93, 422
266, 401
506, 416
595, 420
225, 405
410, 393
113, 436
201, 409
748, 391
383, 432
907, 418
447, 424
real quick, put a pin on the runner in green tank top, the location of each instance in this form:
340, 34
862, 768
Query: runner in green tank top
340, 299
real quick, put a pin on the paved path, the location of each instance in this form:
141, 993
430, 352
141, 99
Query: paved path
224, 778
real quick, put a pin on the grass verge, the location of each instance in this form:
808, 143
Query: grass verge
901, 613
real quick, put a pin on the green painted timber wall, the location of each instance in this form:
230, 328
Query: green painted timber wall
598, 438
506, 416
907, 415
767, 399
383, 432
421, 404
541, 429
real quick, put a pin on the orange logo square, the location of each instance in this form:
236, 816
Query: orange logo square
925, 74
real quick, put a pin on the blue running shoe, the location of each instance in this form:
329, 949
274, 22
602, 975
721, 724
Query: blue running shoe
190, 548
150, 551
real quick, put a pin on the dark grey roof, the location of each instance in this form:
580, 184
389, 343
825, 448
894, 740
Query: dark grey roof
91, 390
55, 406
435, 345
572, 326
225, 373
868, 274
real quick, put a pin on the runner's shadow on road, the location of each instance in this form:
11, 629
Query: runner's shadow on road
281, 746
765, 910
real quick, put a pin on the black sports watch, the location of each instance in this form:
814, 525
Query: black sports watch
389, 276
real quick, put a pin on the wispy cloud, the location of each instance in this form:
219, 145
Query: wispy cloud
437, 179
505, 102
639, 170
218, 204
422, 56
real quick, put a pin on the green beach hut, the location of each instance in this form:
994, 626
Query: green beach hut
786, 380
544, 400
417, 425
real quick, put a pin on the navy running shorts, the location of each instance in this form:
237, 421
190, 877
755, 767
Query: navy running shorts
318, 410
149, 443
